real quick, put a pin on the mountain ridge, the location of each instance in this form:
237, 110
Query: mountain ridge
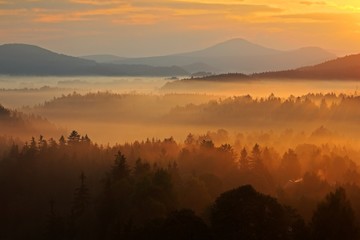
31, 60
343, 68
239, 55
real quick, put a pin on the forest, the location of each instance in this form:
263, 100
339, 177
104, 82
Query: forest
180, 166
334, 115
73, 188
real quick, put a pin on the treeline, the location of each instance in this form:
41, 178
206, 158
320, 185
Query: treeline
72, 188
204, 109
271, 111
106, 106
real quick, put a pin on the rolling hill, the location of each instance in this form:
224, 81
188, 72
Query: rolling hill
23, 59
103, 58
344, 68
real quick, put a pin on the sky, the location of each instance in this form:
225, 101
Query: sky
132, 28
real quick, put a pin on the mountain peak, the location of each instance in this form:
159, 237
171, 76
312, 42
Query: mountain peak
236, 47
235, 41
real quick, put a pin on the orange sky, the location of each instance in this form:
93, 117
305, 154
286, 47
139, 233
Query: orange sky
144, 27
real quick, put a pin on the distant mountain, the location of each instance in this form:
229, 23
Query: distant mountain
339, 69
238, 55
22, 59
199, 67
232, 48
103, 58
345, 68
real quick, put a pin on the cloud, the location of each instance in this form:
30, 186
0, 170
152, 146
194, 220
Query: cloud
136, 19
47, 16
12, 12
317, 17
309, 3
96, 2
143, 12
191, 20
234, 6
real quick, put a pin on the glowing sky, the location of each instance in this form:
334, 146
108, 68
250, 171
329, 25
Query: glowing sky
144, 27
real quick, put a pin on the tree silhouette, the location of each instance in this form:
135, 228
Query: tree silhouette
54, 229
189, 139
184, 224
79, 206
244, 161
256, 160
86, 140
62, 141
178, 225
120, 169
81, 198
243, 213
74, 138
114, 206
334, 218
290, 168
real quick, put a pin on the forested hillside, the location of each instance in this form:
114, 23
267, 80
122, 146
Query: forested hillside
72, 188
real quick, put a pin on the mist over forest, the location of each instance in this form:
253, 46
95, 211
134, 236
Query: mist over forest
114, 163
232, 141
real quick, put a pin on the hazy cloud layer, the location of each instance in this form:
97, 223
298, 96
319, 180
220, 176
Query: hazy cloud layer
132, 27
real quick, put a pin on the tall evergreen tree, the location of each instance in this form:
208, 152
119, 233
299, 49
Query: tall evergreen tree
54, 229
334, 218
120, 169
62, 141
256, 162
81, 198
74, 138
244, 160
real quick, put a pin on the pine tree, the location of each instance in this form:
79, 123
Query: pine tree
52, 144
121, 169
81, 198
189, 139
86, 140
62, 141
290, 167
244, 160
73, 138
42, 143
256, 157
80, 204
54, 227
141, 169
334, 218
33, 145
